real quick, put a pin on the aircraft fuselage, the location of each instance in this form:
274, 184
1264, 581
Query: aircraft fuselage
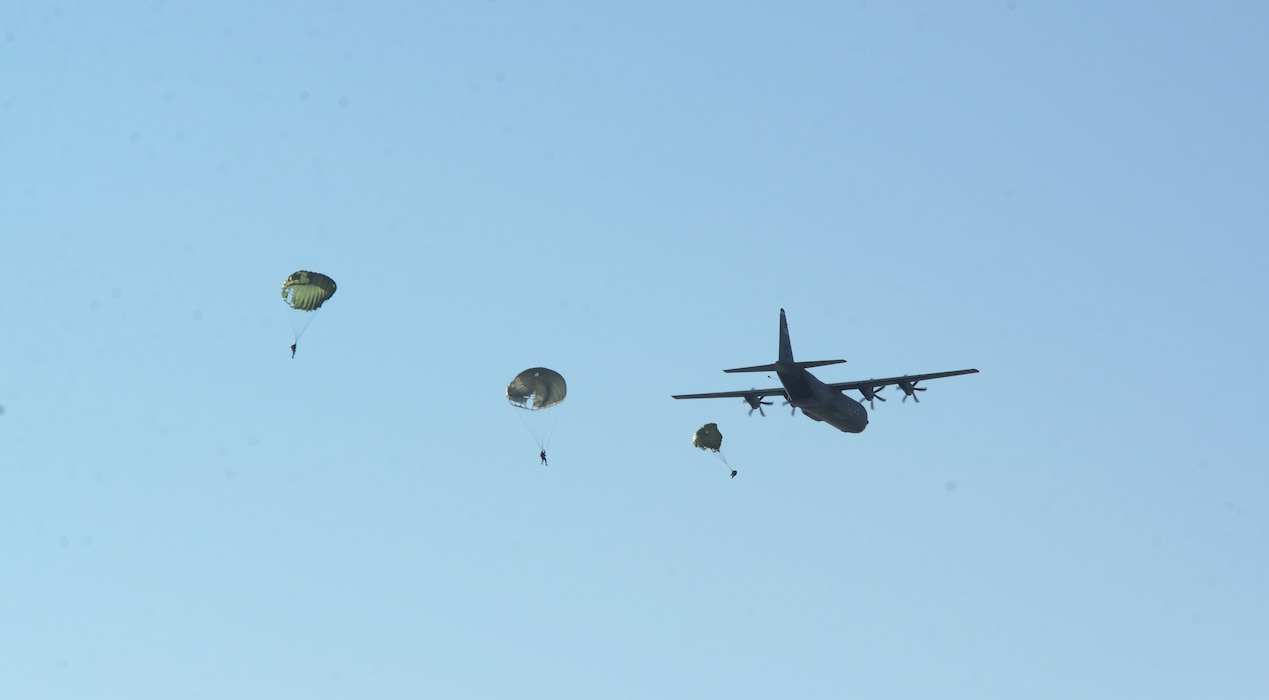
804, 391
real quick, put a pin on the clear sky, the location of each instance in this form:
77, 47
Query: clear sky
1069, 196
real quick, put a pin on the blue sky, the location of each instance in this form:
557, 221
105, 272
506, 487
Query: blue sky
1068, 196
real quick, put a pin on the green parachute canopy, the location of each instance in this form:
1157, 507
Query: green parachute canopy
708, 438
307, 291
536, 388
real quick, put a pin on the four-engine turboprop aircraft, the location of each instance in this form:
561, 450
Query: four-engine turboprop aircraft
818, 400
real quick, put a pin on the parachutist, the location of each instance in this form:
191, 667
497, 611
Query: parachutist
733, 473
293, 350
535, 390
305, 292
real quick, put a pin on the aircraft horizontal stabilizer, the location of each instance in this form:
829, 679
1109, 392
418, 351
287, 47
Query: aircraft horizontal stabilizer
817, 363
756, 368
797, 365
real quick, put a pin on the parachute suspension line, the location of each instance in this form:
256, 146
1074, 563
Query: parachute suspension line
722, 457
726, 464
298, 327
527, 420
548, 426
540, 424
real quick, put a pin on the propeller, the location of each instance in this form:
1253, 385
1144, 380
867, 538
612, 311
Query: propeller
794, 411
910, 389
870, 393
756, 403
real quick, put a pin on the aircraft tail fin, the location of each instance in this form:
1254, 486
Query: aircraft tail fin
786, 347
786, 355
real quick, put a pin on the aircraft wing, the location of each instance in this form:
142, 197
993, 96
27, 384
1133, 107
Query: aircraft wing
889, 381
734, 394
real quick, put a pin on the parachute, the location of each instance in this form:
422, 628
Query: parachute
709, 437
537, 388
305, 291
534, 391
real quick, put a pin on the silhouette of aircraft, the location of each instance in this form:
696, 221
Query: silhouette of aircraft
821, 401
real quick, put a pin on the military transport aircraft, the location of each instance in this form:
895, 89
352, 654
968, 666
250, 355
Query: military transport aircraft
818, 400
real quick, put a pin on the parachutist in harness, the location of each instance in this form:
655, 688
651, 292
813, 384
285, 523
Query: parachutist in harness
535, 393
305, 292
733, 473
